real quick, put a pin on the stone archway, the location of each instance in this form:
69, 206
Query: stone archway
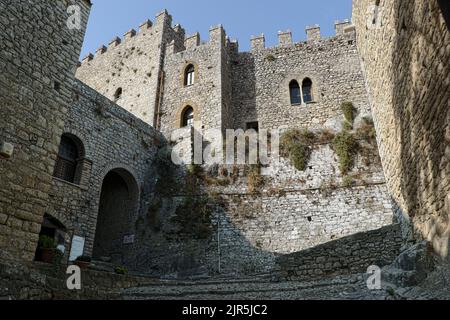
118, 205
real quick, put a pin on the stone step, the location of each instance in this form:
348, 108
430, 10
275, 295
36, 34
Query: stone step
101, 266
350, 287
239, 285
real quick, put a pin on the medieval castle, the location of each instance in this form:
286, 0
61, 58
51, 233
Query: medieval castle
365, 130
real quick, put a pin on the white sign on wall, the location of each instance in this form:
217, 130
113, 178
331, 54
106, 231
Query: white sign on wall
77, 248
128, 239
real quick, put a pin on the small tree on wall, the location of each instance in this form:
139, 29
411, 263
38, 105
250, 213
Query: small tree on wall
346, 147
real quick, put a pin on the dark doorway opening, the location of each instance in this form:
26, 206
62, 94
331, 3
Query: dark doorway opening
252, 125
118, 204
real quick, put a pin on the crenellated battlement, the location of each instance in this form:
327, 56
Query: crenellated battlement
180, 42
312, 35
145, 28
284, 38
232, 45
192, 41
217, 37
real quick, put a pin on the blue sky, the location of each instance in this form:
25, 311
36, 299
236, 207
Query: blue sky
240, 18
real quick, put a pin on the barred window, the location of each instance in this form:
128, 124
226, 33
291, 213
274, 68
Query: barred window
67, 162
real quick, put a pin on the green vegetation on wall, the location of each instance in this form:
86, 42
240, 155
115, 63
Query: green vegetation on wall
349, 113
295, 145
346, 147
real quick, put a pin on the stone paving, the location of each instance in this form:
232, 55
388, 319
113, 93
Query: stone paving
352, 287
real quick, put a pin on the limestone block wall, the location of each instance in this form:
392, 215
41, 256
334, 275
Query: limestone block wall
35, 94
262, 227
293, 211
260, 82
354, 254
113, 139
133, 64
296, 210
404, 48
251, 231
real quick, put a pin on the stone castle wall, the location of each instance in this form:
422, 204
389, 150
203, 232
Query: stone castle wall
132, 64
112, 139
404, 47
230, 90
293, 211
308, 207
205, 95
35, 93
354, 254
261, 78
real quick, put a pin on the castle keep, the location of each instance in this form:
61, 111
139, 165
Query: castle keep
85, 146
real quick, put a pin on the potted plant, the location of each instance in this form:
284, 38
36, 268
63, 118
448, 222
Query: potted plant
121, 270
83, 261
47, 248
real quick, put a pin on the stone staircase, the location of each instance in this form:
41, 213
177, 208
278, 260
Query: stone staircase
257, 288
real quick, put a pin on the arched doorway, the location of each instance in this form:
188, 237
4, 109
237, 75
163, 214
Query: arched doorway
117, 208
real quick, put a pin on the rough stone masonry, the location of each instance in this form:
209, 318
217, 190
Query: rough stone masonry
85, 145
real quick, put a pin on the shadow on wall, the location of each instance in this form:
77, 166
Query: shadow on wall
244, 90
173, 242
445, 8
420, 98
118, 204
351, 254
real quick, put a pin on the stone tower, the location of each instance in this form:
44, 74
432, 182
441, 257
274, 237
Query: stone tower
404, 48
129, 70
209, 94
35, 93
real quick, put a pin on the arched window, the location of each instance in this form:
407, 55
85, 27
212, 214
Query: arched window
69, 155
189, 75
118, 94
188, 117
294, 90
307, 90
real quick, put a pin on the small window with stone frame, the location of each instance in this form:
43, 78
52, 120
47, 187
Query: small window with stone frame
188, 117
307, 90
294, 92
189, 75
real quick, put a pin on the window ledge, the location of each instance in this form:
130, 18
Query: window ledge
84, 188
